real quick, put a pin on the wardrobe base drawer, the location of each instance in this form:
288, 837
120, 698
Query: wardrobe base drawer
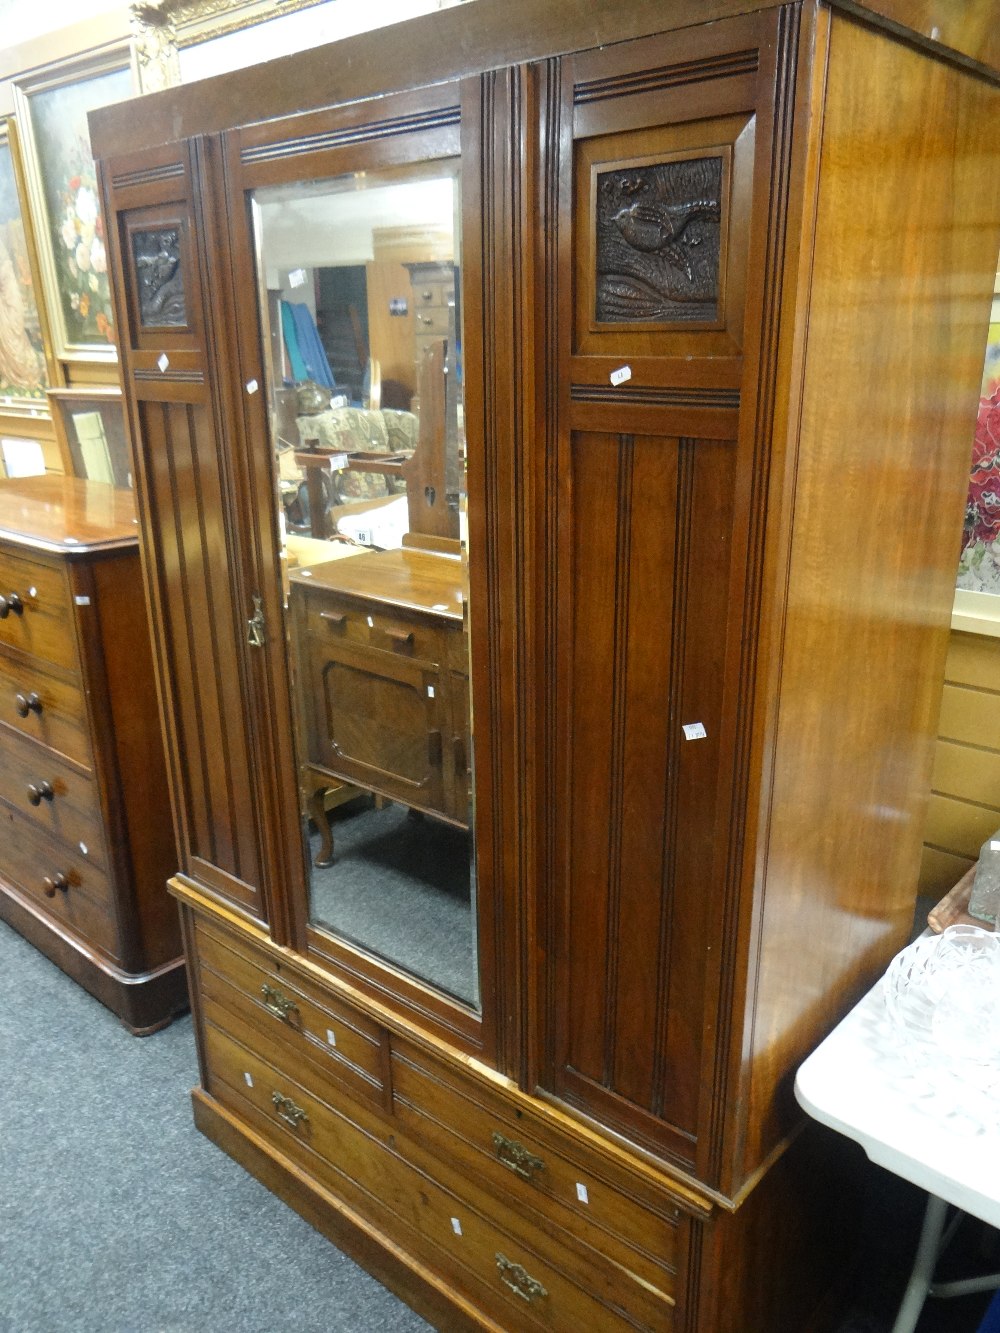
353, 1232
519, 1154
339, 1043
514, 1271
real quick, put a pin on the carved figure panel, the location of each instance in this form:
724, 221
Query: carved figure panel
160, 279
658, 242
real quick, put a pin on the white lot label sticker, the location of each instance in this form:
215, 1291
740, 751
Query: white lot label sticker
331, 1036
581, 1193
252, 386
620, 375
337, 461
694, 731
163, 362
297, 277
82, 601
83, 848
456, 1226
248, 1080
430, 691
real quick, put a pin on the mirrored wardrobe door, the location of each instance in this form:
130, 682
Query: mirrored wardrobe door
357, 264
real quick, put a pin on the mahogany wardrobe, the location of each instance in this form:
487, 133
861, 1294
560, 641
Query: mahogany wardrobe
552, 431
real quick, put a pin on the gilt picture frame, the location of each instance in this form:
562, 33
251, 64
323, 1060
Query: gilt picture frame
92, 434
52, 105
25, 371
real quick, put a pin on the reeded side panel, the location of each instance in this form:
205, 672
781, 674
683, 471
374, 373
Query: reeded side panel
198, 620
650, 550
667, 213
163, 249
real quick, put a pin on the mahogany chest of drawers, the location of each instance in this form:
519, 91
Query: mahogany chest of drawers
86, 844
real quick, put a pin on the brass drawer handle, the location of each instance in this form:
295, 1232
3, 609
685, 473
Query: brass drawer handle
278, 1003
287, 1110
27, 703
335, 619
41, 791
519, 1280
12, 602
52, 882
515, 1157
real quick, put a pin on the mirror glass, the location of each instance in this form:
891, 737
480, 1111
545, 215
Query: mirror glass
359, 285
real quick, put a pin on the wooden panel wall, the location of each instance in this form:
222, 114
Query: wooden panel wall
964, 805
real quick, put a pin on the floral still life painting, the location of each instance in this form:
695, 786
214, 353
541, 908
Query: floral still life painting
22, 358
69, 183
979, 566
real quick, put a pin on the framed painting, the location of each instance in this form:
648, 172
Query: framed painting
23, 369
93, 439
52, 105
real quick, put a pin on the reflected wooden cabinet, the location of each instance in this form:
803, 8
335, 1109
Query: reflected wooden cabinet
382, 659
720, 295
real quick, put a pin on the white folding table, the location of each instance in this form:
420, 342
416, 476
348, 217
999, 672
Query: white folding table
858, 1083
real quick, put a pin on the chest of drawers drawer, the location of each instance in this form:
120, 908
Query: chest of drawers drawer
52, 794
518, 1272
433, 292
432, 320
45, 706
63, 882
36, 613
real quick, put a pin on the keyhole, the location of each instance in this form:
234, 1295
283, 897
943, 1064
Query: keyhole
430, 494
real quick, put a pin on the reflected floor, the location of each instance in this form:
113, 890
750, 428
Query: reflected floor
400, 887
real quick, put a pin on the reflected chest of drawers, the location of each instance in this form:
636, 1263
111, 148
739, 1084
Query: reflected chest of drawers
85, 833
382, 663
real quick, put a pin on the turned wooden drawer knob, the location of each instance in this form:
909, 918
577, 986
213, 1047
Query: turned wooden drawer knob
53, 882
11, 602
27, 703
40, 791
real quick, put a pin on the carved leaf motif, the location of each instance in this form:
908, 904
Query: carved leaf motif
659, 242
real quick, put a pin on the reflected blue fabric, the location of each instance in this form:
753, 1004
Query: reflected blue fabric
991, 1320
306, 355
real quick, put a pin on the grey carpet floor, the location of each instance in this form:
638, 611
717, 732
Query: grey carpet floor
116, 1215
